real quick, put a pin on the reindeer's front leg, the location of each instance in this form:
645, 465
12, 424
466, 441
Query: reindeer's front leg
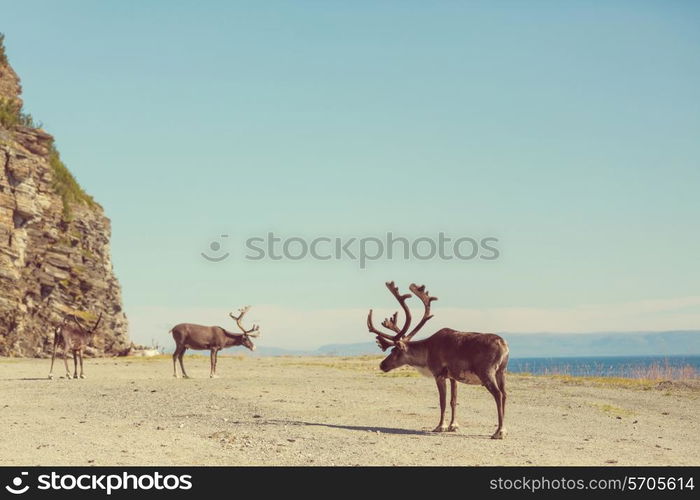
65, 361
216, 358
75, 363
442, 389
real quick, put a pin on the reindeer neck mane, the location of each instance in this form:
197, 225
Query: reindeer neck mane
418, 352
231, 335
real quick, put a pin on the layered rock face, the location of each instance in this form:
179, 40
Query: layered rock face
54, 244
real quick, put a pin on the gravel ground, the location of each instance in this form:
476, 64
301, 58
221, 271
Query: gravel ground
328, 411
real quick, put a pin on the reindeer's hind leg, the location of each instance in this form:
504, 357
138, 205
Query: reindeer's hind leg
453, 405
182, 366
80, 353
501, 381
491, 384
75, 363
176, 353
53, 355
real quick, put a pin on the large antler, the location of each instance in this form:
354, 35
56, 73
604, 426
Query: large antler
402, 300
254, 331
424, 296
97, 323
83, 331
385, 340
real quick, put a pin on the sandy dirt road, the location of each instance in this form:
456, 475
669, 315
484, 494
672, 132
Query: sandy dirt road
328, 411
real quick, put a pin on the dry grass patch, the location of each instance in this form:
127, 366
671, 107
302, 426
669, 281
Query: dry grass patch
612, 410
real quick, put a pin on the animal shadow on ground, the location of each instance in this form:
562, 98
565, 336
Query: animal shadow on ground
383, 430
26, 379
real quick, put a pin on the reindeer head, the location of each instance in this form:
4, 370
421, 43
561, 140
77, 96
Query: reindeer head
245, 338
246, 342
88, 333
397, 357
400, 341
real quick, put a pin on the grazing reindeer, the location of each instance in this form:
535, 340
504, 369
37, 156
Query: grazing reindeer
71, 335
471, 358
214, 338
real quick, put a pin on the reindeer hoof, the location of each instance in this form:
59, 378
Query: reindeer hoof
440, 428
50, 376
499, 434
69, 376
185, 376
213, 376
453, 428
82, 376
75, 375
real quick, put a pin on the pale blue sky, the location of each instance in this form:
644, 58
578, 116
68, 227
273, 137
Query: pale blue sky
568, 130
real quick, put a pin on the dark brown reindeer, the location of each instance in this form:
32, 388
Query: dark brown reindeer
71, 335
214, 338
471, 358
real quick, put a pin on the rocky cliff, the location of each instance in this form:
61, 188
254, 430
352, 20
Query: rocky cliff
54, 240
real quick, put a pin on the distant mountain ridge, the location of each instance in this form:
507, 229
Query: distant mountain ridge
533, 345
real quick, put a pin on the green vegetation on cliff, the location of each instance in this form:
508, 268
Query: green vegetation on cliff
65, 184
12, 118
11, 115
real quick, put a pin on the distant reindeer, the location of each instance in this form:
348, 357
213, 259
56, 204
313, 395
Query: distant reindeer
71, 335
214, 338
471, 358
